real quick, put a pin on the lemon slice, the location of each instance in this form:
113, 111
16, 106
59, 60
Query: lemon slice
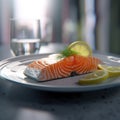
114, 71
81, 48
95, 77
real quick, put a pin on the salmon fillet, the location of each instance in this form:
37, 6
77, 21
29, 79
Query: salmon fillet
43, 69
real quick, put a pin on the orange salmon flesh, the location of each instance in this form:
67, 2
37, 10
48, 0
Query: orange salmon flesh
63, 68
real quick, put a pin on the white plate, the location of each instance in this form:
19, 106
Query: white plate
12, 69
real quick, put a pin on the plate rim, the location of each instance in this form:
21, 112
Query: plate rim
56, 88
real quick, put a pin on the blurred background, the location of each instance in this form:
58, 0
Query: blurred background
64, 21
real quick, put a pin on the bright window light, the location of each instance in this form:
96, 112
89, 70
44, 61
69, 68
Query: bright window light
33, 9
30, 8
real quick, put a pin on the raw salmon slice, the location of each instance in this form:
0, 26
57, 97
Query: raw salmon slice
43, 69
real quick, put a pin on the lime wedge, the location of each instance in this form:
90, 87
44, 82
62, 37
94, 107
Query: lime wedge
95, 77
81, 48
114, 71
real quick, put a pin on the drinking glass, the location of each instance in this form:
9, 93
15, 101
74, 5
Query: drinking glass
25, 36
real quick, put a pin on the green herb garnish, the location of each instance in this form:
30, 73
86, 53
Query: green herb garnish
68, 52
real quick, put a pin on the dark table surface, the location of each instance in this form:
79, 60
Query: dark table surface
19, 102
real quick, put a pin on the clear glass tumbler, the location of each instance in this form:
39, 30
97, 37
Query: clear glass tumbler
25, 36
